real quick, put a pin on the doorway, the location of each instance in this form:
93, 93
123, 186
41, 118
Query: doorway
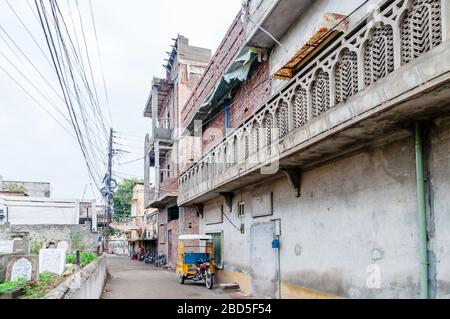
263, 260
169, 247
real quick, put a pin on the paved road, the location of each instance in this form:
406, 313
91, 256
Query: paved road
131, 279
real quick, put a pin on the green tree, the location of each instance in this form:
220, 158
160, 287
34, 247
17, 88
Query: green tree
122, 198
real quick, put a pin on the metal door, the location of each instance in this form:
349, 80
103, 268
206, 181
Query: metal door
263, 260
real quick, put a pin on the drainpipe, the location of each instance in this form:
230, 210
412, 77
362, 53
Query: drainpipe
423, 242
227, 115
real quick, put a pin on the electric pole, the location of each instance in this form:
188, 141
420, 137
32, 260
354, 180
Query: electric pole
108, 186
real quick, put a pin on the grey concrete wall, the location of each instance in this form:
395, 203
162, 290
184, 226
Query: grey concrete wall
439, 208
85, 284
33, 189
79, 236
356, 219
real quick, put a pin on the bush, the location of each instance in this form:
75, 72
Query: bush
86, 258
47, 281
9, 286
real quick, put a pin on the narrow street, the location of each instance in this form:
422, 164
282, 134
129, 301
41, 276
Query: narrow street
132, 279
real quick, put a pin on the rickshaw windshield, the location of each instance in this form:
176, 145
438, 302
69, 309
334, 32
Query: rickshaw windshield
193, 249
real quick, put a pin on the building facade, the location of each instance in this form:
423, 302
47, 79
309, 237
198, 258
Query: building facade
322, 156
185, 66
142, 229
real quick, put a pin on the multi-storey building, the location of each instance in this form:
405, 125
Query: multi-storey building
165, 146
322, 163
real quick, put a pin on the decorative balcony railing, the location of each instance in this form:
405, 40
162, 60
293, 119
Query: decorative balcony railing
390, 37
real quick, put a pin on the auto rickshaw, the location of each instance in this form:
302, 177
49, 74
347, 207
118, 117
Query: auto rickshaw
195, 259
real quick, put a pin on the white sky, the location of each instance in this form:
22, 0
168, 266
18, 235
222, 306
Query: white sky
134, 36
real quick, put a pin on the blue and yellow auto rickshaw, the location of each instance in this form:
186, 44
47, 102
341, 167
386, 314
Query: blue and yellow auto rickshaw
195, 259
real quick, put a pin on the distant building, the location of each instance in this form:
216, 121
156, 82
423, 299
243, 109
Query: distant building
87, 215
141, 231
184, 69
21, 210
23, 188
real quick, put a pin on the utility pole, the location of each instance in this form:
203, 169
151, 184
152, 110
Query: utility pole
108, 186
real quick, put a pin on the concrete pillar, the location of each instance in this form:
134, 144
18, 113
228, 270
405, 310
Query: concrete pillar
181, 221
154, 109
94, 215
157, 169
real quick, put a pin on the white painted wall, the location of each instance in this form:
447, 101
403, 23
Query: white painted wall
39, 211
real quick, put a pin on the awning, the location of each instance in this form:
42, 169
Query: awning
234, 75
309, 51
334, 25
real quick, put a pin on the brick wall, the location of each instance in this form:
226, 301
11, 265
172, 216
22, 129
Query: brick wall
191, 218
213, 132
172, 231
230, 46
251, 94
169, 185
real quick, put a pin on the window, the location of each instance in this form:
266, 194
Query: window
241, 209
217, 246
173, 213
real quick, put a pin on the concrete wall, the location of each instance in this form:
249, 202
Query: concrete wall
85, 284
118, 247
33, 210
439, 207
32, 189
79, 236
355, 223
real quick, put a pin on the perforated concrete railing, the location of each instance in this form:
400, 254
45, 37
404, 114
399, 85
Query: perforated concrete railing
394, 34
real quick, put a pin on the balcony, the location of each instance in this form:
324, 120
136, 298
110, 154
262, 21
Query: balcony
168, 191
379, 77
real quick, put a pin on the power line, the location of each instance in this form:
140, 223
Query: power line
29, 32
133, 161
37, 102
100, 60
58, 68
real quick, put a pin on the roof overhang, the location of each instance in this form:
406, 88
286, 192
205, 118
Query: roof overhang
163, 87
195, 237
236, 73
164, 200
276, 19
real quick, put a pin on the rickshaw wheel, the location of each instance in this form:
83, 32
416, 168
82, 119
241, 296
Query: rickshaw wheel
182, 278
209, 280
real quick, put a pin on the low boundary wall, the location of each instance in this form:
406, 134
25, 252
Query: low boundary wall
87, 283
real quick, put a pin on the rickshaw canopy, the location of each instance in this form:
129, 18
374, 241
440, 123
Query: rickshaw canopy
195, 237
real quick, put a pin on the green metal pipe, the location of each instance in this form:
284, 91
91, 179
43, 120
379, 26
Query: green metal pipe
423, 242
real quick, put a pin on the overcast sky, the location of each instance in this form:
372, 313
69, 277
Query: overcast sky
134, 36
